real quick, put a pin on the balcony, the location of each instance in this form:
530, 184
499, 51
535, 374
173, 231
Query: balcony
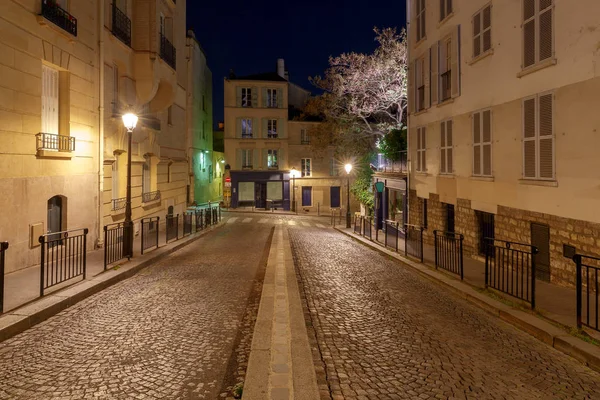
51, 145
446, 91
151, 196
121, 25
119, 204
388, 166
59, 17
168, 51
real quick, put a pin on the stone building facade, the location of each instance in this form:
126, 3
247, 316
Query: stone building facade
502, 137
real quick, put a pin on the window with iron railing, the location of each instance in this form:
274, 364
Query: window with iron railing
121, 25
119, 204
150, 196
49, 141
59, 17
168, 51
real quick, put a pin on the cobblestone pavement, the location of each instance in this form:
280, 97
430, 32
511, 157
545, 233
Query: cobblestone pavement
384, 332
179, 329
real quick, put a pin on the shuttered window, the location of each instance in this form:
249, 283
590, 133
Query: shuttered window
482, 143
272, 98
445, 9
538, 31
446, 156
272, 161
420, 66
305, 167
420, 19
50, 105
246, 127
247, 158
482, 31
538, 137
246, 97
272, 128
115, 178
146, 176
421, 150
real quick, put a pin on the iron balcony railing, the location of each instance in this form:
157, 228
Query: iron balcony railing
168, 51
59, 17
150, 196
386, 165
49, 141
121, 25
119, 204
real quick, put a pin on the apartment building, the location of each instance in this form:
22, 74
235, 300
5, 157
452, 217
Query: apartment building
503, 128
263, 144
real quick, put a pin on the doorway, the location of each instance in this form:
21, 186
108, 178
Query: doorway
449, 217
260, 194
55, 214
334, 193
540, 238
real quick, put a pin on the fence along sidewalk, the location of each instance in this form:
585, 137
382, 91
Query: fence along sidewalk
3, 248
114, 242
448, 248
587, 289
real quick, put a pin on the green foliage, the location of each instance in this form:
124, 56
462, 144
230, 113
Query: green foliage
361, 187
393, 143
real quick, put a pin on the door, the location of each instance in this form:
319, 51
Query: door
449, 217
540, 238
306, 196
54, 219
486, 229
260, 194
334, 193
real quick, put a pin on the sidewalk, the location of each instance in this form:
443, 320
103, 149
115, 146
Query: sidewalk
23, 307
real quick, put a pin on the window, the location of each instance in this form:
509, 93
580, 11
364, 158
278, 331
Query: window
306, 196
247, 158
445, 9
420, 70
424, 213
420, 19
486, 229
446, 166
246, 128
170, 116
210, 174
334, 197
272, 129
246, 97
50, 100
272, 159
449, 217
538, 35
115, 89
421, 150
272, 98
538, 137
115, 178
482, 143
334, 168
446, 70
304, 138
146, 179
482, 31
305, 167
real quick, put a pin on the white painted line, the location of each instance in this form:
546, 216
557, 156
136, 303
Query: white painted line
291, 223
232, 220
263, 221
306, 224
320, 225
246, 220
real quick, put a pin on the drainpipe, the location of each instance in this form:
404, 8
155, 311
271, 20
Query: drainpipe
408, 160
100, 241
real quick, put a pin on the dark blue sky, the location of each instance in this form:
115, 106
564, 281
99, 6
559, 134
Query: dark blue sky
249, 36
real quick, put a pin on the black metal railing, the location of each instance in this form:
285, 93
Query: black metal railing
510, 268
449, 252
119, 204
215, 212
150, 196
199, 220
446, 91
187, 223
121, 25
50, 141
336, 213
168, 51
400, 165
115, 247
207, 218
59, 17
391, 234
357, 224
150, 228
63, 257
367, 227
588, 268
172, 227
413, 241
3, 248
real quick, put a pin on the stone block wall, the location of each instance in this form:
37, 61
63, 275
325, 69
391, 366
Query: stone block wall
465, 222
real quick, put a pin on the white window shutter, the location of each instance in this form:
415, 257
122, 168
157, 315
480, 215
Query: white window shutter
426, 74
265, 97
424, 146
238, 96
487, 142
443, 147
238, 127
545, 32
455, 62
254, 95
265, 127
546, 137
279, 98
255, 131
529, 139
529, 35
265, 158
418, 149
486, 25
412, 87
281, 128
477, 144
281, 159
449, 148
476, 34
435, 57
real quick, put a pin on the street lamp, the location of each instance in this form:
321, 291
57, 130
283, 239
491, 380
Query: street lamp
293, 174
130, 121
348, 168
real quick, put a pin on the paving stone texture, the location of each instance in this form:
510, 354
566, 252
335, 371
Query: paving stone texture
384, 332
179, 329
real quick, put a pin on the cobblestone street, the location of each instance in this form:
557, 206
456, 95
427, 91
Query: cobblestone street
179, 329
384, 332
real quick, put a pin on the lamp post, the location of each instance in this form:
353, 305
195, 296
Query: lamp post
348, 168
130, 121
293, 174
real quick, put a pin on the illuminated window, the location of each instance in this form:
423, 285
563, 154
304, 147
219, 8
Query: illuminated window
246, 97
306, 167
246, 128
272, 128
272, 161
272, 98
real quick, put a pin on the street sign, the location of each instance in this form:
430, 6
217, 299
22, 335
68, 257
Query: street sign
379, 186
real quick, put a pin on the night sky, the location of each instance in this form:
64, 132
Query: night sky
249, 36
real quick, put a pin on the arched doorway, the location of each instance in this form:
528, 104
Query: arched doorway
55, 217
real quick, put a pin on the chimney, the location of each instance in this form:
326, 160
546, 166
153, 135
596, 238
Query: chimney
281, 67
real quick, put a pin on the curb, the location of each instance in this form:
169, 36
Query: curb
553, 336
39, 310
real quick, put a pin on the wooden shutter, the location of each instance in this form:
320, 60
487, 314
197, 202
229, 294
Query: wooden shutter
265, 158
443, 147
238, 127
424, 147
411, 87
529, 129
423, 26
264, 97
50, 100
115, 178
281, 159
455, 62
442, 9
529, 43
419, 149
426, 77
435, 63
238, 96
255, 129
449, 148
477, 144
254, 95
487, 142
476, 35
546, 137
281, 128
255, 158
265, 127
486, 27
545, 28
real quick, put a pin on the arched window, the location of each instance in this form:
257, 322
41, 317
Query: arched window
56, 216
146, 182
